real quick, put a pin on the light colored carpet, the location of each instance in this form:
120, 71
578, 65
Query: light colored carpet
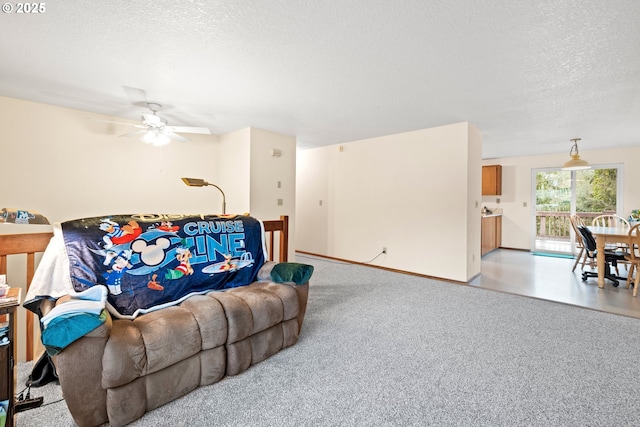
386, 349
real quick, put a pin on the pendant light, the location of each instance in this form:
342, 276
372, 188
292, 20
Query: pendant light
576, 163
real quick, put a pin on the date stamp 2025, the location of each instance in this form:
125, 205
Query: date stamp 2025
24, 8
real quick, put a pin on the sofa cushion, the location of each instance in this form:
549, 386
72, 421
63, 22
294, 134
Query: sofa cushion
124, 358
148, 344
266, 307
239, 318
213, 364
266, 343
211, 319
287, 295
172, 382
126, 403
234, 319
170, 336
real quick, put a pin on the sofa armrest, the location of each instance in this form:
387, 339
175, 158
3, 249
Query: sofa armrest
103, 331
303, 295
79, 368
294, 274
264, 274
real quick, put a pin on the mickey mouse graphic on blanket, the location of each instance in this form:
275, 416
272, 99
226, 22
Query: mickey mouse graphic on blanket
118, 263
116, 234
184, 268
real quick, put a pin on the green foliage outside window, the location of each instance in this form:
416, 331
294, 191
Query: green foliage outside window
595, 193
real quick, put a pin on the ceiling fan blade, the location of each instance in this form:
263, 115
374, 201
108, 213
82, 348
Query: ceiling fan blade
176, 137
135, 132
137, 97
188, 129
114, 122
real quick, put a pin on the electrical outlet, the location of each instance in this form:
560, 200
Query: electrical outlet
384, 249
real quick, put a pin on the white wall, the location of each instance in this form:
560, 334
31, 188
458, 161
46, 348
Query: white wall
235, 170
411, 192
266, 172
474, 194
313, 175
516, 188
59, 162
249, 175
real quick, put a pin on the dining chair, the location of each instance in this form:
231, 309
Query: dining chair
613, 220
611, 258
609, 220
577, 221
634, 257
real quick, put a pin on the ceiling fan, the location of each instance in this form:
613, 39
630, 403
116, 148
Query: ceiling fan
154, 129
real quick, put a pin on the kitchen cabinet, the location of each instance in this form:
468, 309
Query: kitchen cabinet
492, 180
490, 233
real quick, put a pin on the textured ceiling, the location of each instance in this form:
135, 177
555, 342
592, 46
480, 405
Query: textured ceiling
530, 75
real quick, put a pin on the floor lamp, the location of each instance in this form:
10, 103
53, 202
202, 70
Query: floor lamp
197, 182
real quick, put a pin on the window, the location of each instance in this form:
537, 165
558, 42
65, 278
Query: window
558, 194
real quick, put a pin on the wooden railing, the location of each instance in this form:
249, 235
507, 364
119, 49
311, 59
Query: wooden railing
557, 226
276, 231
29, 245
282, 227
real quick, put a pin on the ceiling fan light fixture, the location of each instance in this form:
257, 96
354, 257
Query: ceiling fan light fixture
155, 131
576, 163
155, 137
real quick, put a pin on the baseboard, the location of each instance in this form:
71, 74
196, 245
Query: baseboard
515, 249
393, 270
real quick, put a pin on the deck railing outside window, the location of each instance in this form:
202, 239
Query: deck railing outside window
556, 225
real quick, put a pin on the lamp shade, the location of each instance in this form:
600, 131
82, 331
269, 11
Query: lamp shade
576, 163
195, 182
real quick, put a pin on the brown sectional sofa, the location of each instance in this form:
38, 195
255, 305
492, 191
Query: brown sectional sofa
124, 368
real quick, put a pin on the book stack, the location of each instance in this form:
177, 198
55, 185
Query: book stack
4, 295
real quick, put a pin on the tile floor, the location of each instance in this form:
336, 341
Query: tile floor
551, 278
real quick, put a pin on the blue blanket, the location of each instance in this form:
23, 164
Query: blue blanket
152, 261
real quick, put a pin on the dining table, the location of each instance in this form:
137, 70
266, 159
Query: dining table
604, 235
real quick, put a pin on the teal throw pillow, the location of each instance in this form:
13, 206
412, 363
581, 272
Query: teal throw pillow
291, 272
